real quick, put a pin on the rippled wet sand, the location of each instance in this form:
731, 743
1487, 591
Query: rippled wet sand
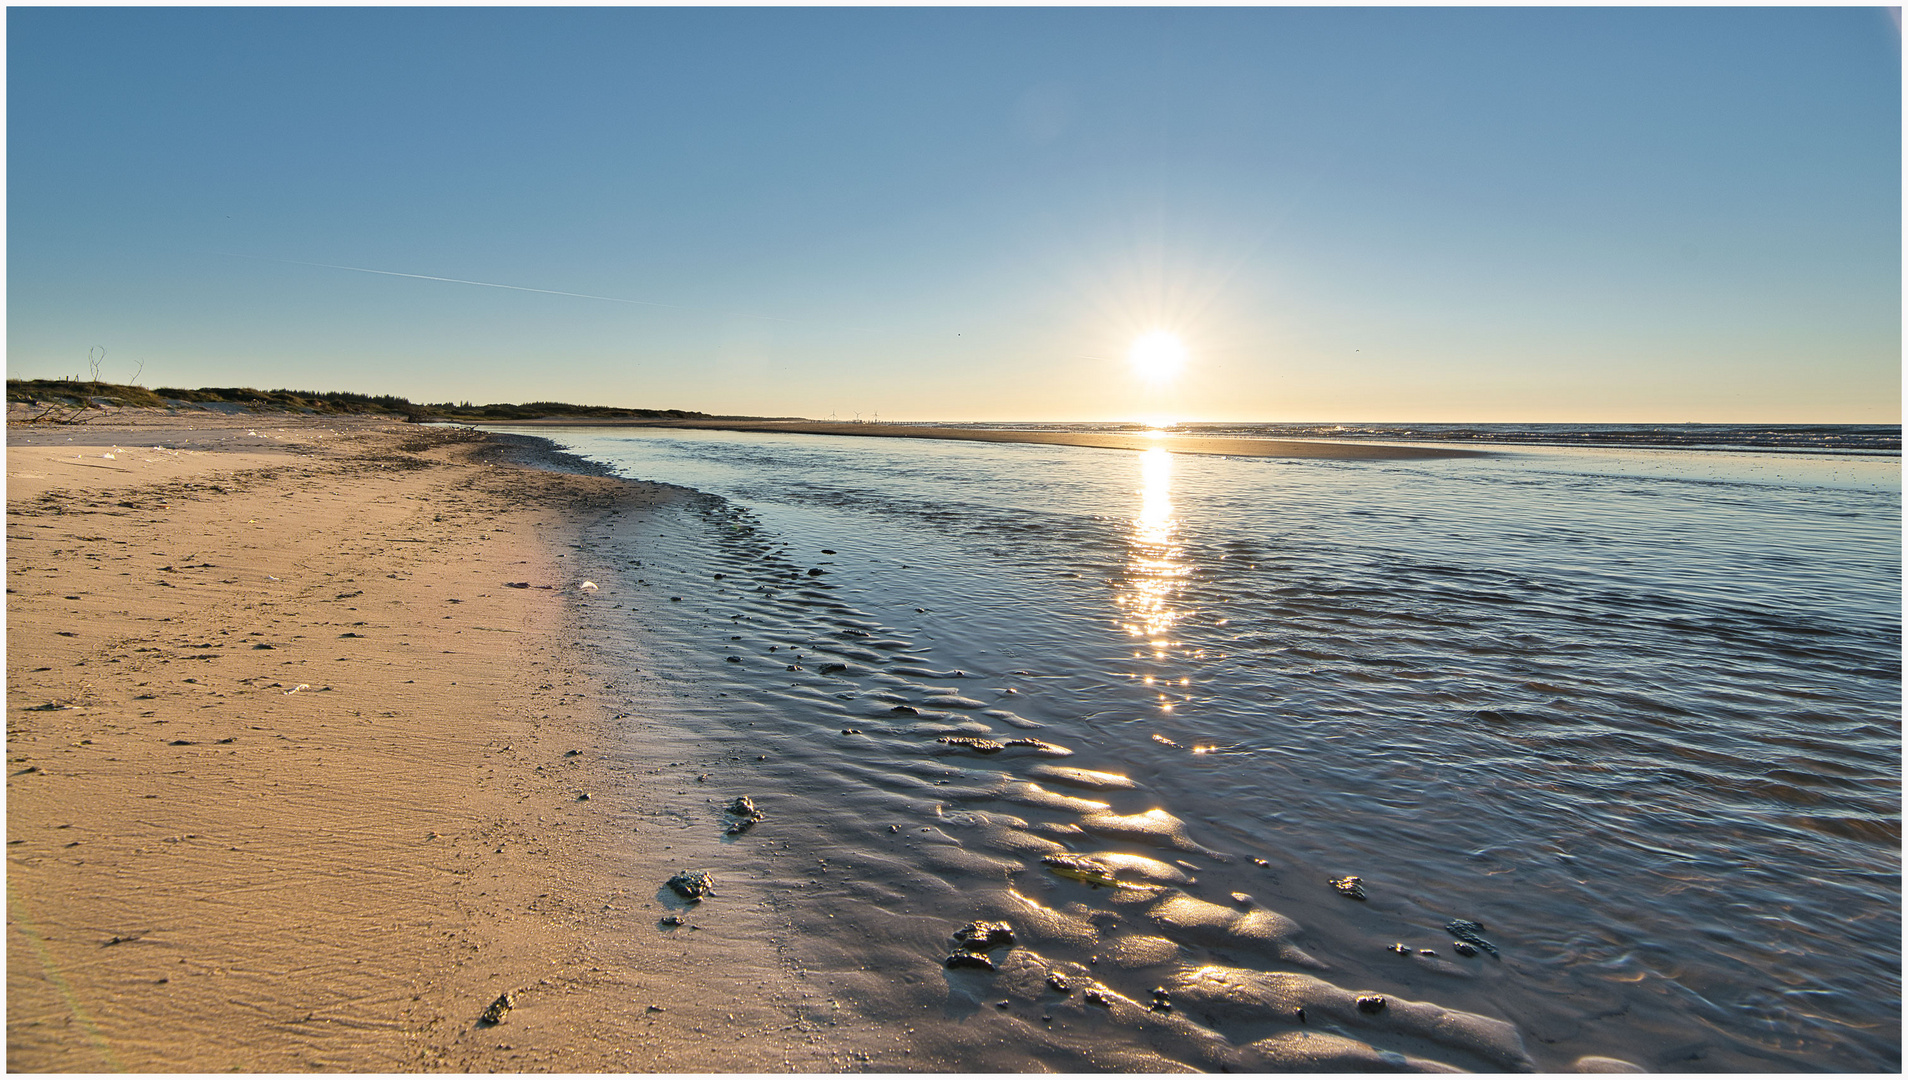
1638, 719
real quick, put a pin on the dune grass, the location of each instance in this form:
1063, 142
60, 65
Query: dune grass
70, 401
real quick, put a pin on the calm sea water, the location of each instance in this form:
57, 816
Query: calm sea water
1634, 710
1802, 438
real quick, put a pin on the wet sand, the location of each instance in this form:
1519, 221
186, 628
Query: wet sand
1178, 444
295, 777
916, 635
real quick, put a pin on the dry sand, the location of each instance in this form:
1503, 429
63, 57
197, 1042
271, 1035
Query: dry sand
294, 776
1109, 440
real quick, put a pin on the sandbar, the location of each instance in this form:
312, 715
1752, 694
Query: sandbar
1109, 440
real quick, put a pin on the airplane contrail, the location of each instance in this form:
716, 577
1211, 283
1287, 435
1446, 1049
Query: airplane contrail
498, 285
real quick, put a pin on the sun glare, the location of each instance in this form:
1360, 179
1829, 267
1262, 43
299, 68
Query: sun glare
1157, 356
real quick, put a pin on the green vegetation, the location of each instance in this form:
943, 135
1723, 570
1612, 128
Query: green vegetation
539, 409
67, 400
77, 392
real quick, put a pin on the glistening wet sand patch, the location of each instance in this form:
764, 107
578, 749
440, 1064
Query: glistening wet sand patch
900, 805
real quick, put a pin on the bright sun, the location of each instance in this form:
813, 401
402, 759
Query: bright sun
1157, 356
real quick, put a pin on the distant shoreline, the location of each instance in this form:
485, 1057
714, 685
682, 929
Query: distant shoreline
62, 403
1177, 443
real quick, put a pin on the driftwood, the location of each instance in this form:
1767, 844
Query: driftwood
64, 412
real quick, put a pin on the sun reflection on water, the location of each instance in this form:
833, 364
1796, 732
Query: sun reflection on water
1155, 566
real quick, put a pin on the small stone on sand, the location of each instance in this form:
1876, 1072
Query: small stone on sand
499, 1008
693, 885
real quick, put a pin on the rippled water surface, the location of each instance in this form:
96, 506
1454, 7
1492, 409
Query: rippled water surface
1636, 712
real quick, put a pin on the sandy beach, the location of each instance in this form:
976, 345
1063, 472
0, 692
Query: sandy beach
1109, 440
319, 746
296, 774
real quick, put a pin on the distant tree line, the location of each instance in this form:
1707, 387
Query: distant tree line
76, 394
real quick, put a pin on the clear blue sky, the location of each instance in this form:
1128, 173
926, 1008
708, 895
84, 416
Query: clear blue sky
1350, 214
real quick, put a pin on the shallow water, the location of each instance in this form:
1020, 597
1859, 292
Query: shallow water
1637, 712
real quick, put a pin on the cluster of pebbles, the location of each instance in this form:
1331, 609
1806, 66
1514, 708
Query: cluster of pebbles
744, 815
